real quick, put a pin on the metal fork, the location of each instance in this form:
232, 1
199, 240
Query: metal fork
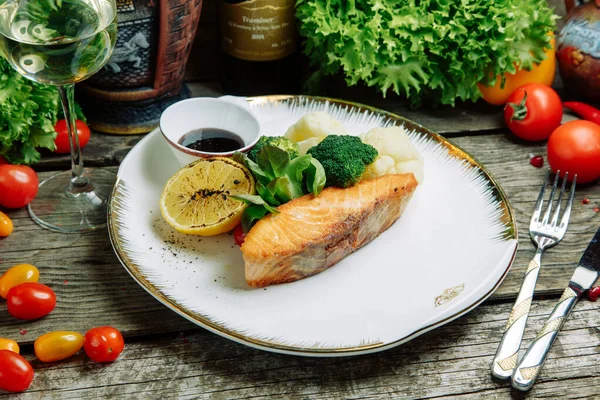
544, 233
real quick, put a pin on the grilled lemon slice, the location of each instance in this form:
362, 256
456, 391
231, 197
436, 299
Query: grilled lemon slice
197, 199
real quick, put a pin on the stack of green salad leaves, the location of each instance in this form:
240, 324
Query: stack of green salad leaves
281, 175
427, 50
28, 112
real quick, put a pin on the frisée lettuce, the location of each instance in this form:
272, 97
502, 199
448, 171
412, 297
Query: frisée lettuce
28, 112
434, 50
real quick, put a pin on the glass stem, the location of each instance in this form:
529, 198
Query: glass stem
79, 182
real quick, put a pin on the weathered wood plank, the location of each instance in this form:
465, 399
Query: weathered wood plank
92, 287
451, 361
474, 119
464, 119
101, 290
508, 161
109, 150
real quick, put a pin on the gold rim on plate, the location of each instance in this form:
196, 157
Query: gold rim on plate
506, 218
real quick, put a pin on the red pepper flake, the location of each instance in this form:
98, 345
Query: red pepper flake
585, 201
537, 161
22, 331
596, 209
594, 293
185, 340
65, 282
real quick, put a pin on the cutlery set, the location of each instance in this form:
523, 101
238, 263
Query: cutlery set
545, 231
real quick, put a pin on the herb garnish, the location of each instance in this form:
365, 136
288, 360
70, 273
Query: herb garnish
279, 179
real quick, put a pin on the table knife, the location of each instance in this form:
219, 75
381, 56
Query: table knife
583, 278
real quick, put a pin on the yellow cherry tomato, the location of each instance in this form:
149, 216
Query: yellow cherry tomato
16, 275
58, 345
7, 344
540, 73
6, 225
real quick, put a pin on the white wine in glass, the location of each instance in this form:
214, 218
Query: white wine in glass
60, 43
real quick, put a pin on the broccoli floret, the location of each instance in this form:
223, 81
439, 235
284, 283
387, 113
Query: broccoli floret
344, 159
283, 143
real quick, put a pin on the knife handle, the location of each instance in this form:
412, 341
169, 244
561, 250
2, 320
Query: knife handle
530, 365
505, 359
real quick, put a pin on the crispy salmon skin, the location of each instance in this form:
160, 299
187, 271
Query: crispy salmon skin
310, 234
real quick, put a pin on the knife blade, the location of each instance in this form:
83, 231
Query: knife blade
588, 269
586, 273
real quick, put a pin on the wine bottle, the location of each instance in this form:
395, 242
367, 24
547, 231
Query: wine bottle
259, 46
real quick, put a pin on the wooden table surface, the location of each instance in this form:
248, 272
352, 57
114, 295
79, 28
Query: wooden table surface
169, 357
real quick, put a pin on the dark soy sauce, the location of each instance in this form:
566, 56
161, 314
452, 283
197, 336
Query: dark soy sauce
212, 140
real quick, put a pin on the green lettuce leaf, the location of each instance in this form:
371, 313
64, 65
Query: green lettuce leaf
279, 179
251, 215
28, 112
432, 50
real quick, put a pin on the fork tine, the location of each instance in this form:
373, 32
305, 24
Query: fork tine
540, 201
559, 202
549, 210
564, 221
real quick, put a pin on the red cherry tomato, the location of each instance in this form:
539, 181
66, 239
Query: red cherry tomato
594, 293
62, 137
533, 112
16, 373
30, 300
18, 185
575, 148
238, 235
103, 344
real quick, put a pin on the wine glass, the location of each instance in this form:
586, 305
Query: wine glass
60, 43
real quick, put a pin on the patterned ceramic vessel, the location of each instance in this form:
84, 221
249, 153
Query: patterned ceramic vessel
578, 51
145, 73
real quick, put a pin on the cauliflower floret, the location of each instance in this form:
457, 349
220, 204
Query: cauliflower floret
316, 124
397, 154
308, 143
381, 166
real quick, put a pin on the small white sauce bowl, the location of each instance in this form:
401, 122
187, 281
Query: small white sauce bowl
205, 112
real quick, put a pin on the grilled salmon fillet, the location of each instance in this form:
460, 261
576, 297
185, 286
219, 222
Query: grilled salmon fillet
310, 234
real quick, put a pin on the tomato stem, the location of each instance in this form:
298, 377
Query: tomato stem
519, 110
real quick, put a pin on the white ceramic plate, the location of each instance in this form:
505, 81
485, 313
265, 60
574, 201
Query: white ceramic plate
449, 251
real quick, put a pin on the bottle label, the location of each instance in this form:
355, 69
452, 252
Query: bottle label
258, 30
